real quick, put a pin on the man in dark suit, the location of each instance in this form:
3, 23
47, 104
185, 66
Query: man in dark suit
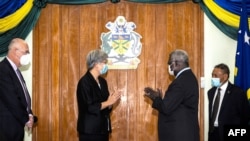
15, 108
178, 108
233, 107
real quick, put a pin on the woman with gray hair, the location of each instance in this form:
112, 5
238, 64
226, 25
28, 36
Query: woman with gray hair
94, 101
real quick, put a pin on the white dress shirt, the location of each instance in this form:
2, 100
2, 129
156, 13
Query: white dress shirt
222, 93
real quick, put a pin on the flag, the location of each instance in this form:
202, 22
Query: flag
242, 62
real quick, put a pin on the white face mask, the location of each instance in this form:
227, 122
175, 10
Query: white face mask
25, 59
171, 72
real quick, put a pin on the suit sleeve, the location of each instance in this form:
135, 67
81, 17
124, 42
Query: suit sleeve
244, 108
85, 96
11, 98
182, 93
173, 97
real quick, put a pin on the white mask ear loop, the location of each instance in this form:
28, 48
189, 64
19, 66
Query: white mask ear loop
171, 72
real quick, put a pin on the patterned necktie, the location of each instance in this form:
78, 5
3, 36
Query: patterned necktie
26, 92
215, 109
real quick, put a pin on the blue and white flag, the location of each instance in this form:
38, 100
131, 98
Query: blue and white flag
242, 62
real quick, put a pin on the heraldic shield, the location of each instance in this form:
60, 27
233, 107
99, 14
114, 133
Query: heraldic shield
122, 44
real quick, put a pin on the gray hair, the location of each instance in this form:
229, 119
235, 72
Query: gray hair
95, 56
179, 55
14, 43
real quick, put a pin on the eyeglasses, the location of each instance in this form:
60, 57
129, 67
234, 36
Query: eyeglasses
23, 52
175, 61
170, 62
103, 62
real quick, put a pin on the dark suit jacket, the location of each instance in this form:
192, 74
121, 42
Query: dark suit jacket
178, 111
91, 119
13, 113
234, 107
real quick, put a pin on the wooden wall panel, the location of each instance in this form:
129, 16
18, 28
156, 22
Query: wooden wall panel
65, 34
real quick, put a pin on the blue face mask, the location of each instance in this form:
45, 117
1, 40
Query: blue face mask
216, 82
104, 69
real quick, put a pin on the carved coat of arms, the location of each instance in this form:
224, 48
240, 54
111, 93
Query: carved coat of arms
122, 44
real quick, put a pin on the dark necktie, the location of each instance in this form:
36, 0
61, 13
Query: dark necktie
215, 109
26, 92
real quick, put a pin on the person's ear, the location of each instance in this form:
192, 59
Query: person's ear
225, 77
